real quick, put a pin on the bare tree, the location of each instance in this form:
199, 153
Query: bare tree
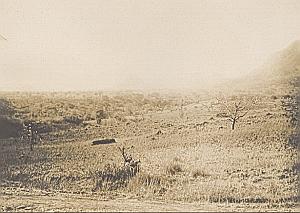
126, 157
235, 108
129, 162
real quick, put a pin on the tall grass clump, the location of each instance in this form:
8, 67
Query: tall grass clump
174, 168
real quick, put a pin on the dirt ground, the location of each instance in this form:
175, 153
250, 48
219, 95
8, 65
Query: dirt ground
22, 200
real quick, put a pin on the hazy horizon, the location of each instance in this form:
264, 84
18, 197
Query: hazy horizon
64, 45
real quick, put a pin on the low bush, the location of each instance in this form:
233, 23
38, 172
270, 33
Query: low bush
174, 168
199, 173
73, 120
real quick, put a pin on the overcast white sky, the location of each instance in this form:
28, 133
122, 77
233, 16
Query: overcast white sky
108, 44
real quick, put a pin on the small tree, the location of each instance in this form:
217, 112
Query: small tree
129, 162
235, 108
126, 157
30, 134
100, 114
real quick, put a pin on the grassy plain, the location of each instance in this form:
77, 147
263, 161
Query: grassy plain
184, 166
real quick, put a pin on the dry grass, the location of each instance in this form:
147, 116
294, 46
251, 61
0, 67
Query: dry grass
199, 173
174, 168
253, 164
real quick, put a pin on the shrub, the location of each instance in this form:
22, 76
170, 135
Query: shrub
174, 168
73, 120
112, 177
199, 173
148, 183
100, 114
5, 108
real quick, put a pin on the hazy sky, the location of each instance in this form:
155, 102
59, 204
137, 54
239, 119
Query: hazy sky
108, 44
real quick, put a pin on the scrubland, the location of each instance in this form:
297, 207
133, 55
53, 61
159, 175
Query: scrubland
191, 160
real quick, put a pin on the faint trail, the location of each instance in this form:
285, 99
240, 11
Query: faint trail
68, 202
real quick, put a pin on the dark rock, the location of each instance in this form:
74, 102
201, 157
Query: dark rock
103, 141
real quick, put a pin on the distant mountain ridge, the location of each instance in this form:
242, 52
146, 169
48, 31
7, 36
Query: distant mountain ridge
284, 62
283, 66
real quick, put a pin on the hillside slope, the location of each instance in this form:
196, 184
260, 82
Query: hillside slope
281, 68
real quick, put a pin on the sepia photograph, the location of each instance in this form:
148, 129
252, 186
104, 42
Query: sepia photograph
149, 105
